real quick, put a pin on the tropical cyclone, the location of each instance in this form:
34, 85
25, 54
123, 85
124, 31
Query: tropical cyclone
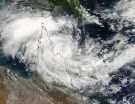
60, 60
46, 44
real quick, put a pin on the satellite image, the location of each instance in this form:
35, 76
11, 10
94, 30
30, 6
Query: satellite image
67, 51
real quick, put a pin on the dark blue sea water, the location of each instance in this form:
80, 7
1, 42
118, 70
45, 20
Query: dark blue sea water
99, 34
125, 73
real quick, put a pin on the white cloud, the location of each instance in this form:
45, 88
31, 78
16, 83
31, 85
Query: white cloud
126, 9
56, 59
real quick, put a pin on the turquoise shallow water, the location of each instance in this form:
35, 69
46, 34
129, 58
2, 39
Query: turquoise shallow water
16, 66
2, 2
5, 3
13, 64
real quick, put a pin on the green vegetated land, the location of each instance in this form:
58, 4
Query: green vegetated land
70, 6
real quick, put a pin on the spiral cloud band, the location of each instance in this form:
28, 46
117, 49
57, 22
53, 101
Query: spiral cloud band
46, 44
